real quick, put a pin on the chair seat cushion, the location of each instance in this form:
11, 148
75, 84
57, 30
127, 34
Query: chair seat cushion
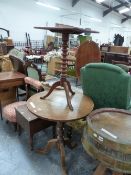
35, 83
9, 110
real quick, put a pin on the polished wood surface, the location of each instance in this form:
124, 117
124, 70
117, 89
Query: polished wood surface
55, 108
117, 53
88, 52
109, 56
70, 30
11, 79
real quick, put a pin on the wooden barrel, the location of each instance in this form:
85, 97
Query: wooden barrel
108, 138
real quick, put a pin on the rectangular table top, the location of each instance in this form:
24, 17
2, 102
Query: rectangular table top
11, 79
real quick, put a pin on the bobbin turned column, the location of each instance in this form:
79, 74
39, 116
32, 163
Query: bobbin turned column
63, 81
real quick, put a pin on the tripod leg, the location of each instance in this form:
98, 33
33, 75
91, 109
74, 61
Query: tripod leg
62, 155
100, 170
47, 147
1, 111
69, 87
51, 89
65, 85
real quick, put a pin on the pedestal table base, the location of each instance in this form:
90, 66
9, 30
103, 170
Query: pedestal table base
101, 170
60, 141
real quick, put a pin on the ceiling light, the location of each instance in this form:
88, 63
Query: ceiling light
100, 1
47, 5
124, 10
96, 19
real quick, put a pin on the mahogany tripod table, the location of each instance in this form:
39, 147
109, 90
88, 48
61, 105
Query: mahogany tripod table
54, 108
65, 38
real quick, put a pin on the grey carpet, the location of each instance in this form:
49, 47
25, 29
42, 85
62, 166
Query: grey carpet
17, 159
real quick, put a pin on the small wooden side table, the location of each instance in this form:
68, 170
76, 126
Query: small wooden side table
55, 108
30, 122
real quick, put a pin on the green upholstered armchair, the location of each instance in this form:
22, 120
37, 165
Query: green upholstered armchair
108, 85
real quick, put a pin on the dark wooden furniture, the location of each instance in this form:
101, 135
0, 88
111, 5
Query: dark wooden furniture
9, 43
32, 71
109, 56
88, 52
54, 108
30, 122
108, 139
11, 79
65, 38
18, 64
8, 83
124, 65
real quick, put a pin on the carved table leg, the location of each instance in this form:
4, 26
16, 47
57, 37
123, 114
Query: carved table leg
59, 142
56, 84
1, 111
31, 141
100, 170
67, 95
60, 137
46, 148
69, 87
116, 173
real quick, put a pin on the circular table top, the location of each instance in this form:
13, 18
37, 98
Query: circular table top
113, 124
55, 108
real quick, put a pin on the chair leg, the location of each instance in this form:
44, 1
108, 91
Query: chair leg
19, 129
54, 131
69, 133
17, 94
15, 126
31, 142
100, 170
1, 111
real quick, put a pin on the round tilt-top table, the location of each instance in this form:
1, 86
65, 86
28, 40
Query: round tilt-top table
65, 31
55, 108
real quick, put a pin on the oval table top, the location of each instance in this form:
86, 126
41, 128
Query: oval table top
55, 108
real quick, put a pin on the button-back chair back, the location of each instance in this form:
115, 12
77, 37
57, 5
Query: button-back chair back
33, 72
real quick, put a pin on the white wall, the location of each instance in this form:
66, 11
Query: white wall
21, 16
